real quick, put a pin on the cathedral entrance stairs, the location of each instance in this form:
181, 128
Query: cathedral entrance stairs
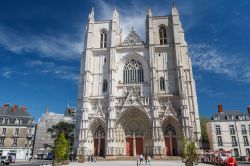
110, 158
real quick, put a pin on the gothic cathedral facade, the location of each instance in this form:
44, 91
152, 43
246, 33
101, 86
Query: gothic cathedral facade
136, 97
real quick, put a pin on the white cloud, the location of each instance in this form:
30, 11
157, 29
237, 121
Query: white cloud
10, 73
211, 59
63, 47
61, 71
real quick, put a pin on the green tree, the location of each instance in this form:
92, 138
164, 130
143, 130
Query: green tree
60, 148
203, 122
192, 152
184, 149
68, 130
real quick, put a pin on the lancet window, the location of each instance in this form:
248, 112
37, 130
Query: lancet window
162, 84
163, 35
105, 86
103, 42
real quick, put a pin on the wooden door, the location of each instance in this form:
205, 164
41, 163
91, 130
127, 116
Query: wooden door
102, 147
139, 146
167, 146
174, 146
129, 146
96, 142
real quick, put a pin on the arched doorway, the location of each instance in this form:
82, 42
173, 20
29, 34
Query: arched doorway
98, 133
134, 133
171, 132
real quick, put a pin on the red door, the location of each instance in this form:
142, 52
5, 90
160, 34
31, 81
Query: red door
139, 146
129, 146
102, 147
174, 146
96, 141
167, 146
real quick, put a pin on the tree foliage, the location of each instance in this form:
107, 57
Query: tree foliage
184, 148
56, 131
61, 148
192, 152
203, 121
66, 128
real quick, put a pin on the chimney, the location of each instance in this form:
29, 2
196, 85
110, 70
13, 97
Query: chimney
248, 109
5, 106
220, 109
15, 108
23, 108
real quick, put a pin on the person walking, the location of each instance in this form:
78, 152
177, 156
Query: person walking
149, 160
141, 159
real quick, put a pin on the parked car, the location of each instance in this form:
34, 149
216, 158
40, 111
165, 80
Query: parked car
12, 158
5, 160
240, 158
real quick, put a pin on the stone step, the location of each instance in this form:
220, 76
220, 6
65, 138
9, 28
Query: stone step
107, 158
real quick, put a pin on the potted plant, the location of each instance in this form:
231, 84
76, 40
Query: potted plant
191, 154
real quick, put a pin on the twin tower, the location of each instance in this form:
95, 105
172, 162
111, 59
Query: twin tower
136, 97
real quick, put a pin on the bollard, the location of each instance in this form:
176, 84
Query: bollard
137, 162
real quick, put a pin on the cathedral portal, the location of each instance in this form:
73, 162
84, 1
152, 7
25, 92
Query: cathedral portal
134, 133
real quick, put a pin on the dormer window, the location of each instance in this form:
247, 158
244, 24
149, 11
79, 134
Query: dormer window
18, 121
216, 118
6, 121
163, 34
103, 42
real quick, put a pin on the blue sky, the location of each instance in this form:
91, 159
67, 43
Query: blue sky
41, 42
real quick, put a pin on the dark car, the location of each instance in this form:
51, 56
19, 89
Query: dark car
12, 158
240, 158
5, 160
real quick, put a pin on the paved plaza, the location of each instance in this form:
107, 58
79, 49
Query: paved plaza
109, 163
131, 163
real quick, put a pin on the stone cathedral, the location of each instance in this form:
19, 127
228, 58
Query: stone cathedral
136, 97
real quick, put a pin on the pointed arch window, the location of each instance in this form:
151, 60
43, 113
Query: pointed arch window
170, 130
105, 86
163, 34
162, 84
103, 42
133, 72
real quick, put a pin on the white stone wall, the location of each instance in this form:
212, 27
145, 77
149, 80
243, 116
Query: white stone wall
226, 136
171, 61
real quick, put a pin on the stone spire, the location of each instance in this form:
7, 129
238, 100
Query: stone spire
115, 15
149, 12
92, 15
47, 111
174, 10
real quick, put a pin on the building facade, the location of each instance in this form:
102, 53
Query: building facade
136, 97
71, 112
16, 132
230, 131
43, 141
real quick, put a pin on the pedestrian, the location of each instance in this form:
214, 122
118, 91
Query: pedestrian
149, 160
141, 159
92, 158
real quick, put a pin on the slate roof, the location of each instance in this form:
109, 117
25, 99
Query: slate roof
235, 113
12, 113
17, 113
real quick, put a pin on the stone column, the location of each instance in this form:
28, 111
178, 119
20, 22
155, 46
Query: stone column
134, 144
99, 145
